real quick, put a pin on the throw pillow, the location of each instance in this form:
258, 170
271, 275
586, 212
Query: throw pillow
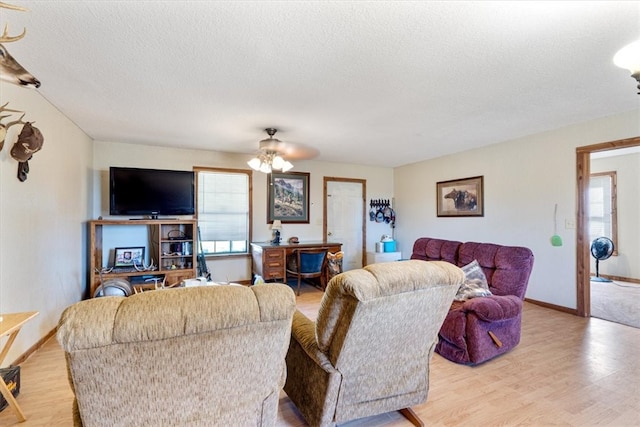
475, 284
334, 262
474, 271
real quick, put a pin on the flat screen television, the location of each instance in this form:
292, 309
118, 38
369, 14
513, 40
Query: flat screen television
152, 192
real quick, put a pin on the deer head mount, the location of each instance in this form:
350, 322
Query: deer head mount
29, 142
10, 70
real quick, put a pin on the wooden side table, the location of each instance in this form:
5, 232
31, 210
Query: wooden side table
10, 325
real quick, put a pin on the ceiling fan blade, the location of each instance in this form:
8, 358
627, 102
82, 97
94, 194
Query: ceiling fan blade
289, 150
293, 151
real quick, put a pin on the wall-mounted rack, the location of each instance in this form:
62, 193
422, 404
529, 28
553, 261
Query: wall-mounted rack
380, 210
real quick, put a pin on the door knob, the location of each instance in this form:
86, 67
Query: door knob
329, 233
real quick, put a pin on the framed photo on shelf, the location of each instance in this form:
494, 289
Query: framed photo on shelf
288, 199
128, 257
461, 197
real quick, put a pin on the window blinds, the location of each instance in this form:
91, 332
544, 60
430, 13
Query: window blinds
223, 205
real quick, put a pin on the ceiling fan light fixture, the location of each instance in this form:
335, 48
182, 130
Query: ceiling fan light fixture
268, 158
278, 162
255, 163
287, 166
629, 58
265, 168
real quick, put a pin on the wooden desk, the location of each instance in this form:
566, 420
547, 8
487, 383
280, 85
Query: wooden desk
270, 261
10, 326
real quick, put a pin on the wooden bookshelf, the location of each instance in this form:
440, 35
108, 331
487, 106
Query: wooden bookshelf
171, 244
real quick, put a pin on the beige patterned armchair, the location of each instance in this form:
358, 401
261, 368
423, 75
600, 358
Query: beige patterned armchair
369, 350
200, 356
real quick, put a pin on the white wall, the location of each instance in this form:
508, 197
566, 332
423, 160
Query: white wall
379, 185
627, 262
43, 235
523, 179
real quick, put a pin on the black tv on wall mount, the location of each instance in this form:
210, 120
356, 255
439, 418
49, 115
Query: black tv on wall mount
151, 192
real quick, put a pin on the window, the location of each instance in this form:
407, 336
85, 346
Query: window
602, 207
224, 210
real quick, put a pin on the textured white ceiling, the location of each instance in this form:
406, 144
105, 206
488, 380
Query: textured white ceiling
370, 82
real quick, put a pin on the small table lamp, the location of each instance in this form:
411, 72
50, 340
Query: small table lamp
276, 226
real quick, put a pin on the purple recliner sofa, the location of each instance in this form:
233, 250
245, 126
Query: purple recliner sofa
482, 328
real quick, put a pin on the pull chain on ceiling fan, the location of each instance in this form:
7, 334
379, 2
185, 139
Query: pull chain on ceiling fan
269, 158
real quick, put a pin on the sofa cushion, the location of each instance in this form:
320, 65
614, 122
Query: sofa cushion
176, 312
513, 268
483, 253
428, 249
507, 268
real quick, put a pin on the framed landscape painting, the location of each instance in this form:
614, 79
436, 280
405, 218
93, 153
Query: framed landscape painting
288, 197
461, 197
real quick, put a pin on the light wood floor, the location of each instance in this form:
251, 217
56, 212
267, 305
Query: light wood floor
567, 371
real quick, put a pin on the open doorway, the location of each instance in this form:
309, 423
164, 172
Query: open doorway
583, 254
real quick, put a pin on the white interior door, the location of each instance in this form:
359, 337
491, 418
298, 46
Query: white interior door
345, 219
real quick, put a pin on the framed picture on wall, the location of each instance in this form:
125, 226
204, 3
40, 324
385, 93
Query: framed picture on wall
461, 197
288, 197
128, 257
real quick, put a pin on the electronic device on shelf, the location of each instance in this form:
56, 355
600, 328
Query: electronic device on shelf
122, 270
153, 192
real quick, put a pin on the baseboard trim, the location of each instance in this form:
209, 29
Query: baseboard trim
553, 306
24, 356
619, 278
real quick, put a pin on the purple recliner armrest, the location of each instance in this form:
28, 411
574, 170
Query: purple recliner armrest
495, 307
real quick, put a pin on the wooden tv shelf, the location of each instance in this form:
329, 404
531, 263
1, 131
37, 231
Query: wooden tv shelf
163, 238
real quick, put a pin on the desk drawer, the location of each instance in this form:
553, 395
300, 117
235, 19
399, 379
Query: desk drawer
273, 256
273, 263
273, 273
273, 269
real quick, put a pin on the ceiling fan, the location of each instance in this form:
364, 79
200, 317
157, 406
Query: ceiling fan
275, 154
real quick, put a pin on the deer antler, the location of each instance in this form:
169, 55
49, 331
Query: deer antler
3, 127
15, 122
3, 108
13, 7
6, 38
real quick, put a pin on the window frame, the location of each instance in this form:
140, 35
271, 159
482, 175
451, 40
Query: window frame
614, 206
249, 173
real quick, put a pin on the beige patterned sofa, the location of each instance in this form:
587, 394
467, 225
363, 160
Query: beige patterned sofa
369, 350
200, 356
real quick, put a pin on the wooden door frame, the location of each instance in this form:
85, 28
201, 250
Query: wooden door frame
363, 183
583, 260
